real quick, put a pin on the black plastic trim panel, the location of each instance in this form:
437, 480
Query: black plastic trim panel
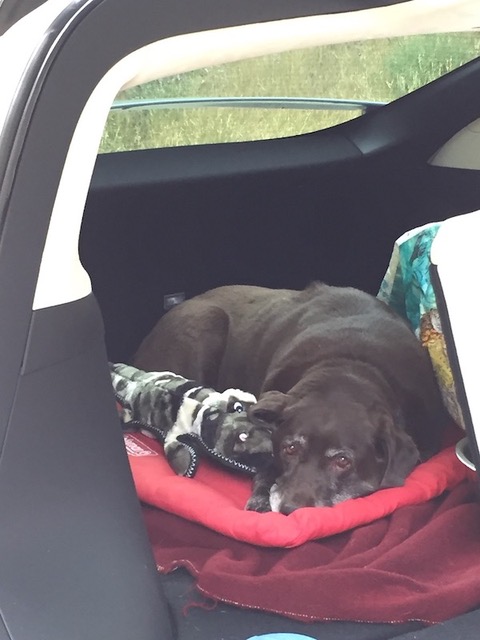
78, 322
167, 165
73, 551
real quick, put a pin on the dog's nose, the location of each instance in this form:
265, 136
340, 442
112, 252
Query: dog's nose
288, 507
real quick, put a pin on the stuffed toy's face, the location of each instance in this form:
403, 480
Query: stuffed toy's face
230, 433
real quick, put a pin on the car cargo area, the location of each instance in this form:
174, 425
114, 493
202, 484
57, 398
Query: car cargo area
167, 223
151, 151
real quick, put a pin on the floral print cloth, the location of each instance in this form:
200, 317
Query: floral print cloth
407, 287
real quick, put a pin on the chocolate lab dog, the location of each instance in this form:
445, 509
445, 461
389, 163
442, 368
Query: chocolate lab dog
342, 381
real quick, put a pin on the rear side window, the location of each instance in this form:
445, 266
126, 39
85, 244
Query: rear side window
282, 94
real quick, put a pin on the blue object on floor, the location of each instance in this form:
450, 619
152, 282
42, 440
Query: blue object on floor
281, 636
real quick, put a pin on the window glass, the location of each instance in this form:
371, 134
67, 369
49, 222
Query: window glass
343, 80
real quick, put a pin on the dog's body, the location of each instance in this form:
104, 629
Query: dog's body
343, 379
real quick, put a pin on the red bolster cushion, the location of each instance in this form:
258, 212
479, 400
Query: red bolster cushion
216, 497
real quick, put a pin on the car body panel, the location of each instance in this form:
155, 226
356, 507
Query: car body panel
73, 548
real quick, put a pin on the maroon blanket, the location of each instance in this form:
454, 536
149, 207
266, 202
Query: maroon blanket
420, 563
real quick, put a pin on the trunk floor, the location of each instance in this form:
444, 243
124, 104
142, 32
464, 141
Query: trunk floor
225, 622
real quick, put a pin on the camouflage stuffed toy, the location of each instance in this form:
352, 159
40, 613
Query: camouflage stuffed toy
190, 419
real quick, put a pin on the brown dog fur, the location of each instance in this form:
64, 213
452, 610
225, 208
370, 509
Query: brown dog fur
346, 385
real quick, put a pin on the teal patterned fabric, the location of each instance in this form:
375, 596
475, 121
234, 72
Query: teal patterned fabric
407, 288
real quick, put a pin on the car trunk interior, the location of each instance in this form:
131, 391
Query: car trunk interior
85, 552
323, 206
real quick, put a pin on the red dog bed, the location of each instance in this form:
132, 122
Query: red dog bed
216, 497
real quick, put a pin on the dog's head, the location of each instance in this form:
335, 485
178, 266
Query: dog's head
333, 444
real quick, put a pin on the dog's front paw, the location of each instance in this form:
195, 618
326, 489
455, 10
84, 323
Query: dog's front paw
262, 483
258, 503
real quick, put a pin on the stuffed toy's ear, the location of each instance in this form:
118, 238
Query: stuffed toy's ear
400, 453
269, 408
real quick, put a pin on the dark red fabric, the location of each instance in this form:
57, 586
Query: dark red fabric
409, 553
420, 563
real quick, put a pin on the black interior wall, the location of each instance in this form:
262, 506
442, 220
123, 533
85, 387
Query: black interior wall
177, 220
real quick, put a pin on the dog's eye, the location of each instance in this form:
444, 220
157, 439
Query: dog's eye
342, 462
243, 436
290, 449
238, 407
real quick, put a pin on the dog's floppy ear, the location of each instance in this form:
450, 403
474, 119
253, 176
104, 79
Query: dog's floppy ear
269, 408
400, 453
